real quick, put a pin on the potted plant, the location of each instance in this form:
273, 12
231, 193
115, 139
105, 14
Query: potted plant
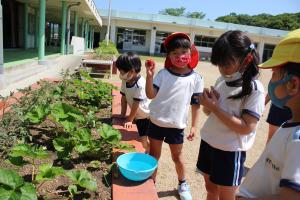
107, 52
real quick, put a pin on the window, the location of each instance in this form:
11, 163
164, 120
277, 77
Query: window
203, 41
159, 39
268, 51
136, 37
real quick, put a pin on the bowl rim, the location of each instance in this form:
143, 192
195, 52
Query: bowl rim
134, 171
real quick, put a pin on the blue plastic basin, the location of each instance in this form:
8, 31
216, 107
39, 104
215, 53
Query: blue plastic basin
136, 166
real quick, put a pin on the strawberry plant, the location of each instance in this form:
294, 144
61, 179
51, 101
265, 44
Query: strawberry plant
81, 178
32, 153
13, 187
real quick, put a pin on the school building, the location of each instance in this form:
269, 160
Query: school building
145, 33
40, 27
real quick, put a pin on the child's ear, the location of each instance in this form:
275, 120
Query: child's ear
293, 86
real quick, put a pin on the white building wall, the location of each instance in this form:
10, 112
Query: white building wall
193, 31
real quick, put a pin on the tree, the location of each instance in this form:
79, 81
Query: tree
173, 11
197, 15
285, 21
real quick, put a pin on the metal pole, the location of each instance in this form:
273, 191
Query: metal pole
36, 35
108, 25
69, 25
1, 49
82, 27
75, 24
26, 20
86, 35
41, 48
63, 28
91, 37
68, 30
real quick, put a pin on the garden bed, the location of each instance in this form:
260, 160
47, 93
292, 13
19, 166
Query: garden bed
57, 141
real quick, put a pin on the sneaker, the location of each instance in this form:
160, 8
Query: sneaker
184, 191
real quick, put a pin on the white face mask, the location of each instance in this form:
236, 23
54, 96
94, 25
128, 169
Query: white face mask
233, 77
125, 77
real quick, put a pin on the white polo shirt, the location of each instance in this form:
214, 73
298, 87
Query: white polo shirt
175, 93
216, 133
278, 166
136, 92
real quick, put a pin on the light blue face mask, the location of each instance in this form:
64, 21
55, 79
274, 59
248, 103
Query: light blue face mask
271, 91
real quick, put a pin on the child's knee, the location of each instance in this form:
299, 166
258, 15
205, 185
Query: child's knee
177, 159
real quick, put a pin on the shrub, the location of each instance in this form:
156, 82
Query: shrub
106, 52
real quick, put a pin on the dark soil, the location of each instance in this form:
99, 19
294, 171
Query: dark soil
58, 188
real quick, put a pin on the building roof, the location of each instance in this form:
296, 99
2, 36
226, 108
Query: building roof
86, 9
191, 22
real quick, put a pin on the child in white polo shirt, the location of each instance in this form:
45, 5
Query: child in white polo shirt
133, 94
173, 90
276, 174
234, 106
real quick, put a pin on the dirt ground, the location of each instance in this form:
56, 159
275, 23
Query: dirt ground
167, 179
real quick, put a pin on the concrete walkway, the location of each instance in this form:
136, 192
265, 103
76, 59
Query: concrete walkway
24, 75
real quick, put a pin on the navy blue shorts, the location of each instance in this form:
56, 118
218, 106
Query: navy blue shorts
168, 135
223, 167
277, 116
142, 126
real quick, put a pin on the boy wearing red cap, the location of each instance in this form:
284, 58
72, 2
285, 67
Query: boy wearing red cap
173, 89
276, 174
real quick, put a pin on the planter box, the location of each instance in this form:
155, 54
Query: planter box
99, 68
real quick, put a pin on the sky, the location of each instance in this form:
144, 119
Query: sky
212, 8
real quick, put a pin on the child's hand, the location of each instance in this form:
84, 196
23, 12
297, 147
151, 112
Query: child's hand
191, 136
215, 92
127, 124
150, 67
209, 100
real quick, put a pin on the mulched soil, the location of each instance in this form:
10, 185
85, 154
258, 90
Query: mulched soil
58, 188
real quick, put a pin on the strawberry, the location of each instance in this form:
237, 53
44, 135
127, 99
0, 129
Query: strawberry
150, 63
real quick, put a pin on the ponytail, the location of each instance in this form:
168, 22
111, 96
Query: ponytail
250, 66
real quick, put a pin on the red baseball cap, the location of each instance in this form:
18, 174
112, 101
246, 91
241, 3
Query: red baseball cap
194, 51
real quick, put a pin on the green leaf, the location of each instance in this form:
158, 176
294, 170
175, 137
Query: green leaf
73, 190
58, 111
83, 135
10, 178
109, 134
127, 147
47, 172
22, 150
26, 150
63, 146
95, 164
37, 114
63, 111
28, 192
81, 148
83, 178
18, 161
40, 153
89, 184
9, 194
69, 126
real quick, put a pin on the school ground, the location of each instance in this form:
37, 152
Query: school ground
167, 179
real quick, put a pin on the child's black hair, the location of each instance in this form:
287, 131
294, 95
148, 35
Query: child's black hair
128, 61
291, 68
232, 47
178, 42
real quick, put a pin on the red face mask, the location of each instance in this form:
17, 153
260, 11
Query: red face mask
181, 61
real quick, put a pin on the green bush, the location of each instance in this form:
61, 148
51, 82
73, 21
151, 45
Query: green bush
106, 52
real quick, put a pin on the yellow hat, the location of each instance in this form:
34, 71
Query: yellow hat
287, 50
